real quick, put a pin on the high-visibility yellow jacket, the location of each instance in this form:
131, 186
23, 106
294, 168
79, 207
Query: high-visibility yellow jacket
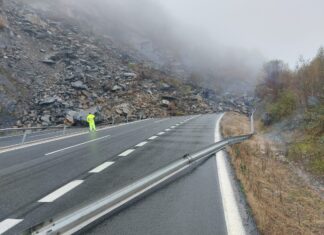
90, 118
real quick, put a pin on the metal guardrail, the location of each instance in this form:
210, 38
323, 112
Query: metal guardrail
78, 219
24, 132
81, 218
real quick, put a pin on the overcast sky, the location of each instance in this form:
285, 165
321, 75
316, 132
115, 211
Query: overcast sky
282, 29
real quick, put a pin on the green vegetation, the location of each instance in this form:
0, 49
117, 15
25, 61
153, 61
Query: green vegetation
283, 107
284, 92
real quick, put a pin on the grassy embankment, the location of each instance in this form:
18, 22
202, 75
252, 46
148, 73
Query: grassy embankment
281, 203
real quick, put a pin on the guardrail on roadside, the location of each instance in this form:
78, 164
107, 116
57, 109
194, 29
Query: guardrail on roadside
29, 130
78, 219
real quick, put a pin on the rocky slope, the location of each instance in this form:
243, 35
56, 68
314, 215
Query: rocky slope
53, 71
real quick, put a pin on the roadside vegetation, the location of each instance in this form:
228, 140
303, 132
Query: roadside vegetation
281, 201
297, 99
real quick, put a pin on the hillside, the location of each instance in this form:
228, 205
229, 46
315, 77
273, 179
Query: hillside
291, 108
54, 70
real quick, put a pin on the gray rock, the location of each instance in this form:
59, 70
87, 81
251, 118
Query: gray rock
116, 88
46, 118
266, 119
79, 85
48, 61
130, 75
47, 101
165, 103
312, 101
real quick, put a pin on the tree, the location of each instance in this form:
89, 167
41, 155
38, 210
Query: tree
273, 71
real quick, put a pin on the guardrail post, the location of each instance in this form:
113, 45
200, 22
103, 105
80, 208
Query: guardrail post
64, 129
252, 121
127, 118
113, 120
25, 136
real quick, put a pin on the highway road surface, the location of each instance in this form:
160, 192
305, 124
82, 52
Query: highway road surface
50, 178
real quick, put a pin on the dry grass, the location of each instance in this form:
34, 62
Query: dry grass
281, 203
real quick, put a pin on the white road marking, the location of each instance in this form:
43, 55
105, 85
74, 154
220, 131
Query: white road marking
153, 137
7, 224
127, 152
101, 167
141, 144
233, 219
161, 133
177, 124
61, 191
172, 127
48, 140
167, 129
160, 120
73, 146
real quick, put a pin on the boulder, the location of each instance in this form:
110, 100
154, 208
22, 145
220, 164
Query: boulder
266, 119
165, 103
79, 85
46, 119
312, 101
116, 88
47, 101
130, 75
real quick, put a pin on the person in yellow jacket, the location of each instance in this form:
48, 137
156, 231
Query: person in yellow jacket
91, 121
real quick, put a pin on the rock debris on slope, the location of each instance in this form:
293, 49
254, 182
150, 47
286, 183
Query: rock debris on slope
53, 72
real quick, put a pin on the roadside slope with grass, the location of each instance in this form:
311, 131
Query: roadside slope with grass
281, 201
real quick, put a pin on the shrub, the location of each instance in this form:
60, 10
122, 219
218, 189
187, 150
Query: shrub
284, 106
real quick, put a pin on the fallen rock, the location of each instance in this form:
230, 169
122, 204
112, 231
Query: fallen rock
165, 103
116, 88
266, 119
79, 85
312, 101
47, 101
46, 118
130, 75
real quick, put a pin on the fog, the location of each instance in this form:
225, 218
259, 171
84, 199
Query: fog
279, 29
224, 43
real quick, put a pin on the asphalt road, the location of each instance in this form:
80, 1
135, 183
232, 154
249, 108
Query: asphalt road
46, 180
11, 139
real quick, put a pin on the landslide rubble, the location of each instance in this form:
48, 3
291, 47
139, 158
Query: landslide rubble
52, 71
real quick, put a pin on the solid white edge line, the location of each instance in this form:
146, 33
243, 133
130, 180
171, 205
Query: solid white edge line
73, 146
141, 144
101, 167
7, 224
232, 215
61, 191
127, 152
153, 137
44, 141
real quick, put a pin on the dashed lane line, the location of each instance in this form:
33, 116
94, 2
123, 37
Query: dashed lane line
73, 146
7, 224
127, 152
61, 191
101, 167
141, 144
161, 133
153, 137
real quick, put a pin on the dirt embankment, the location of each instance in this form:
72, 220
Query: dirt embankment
281, 202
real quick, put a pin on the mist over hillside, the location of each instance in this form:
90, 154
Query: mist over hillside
145, 28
